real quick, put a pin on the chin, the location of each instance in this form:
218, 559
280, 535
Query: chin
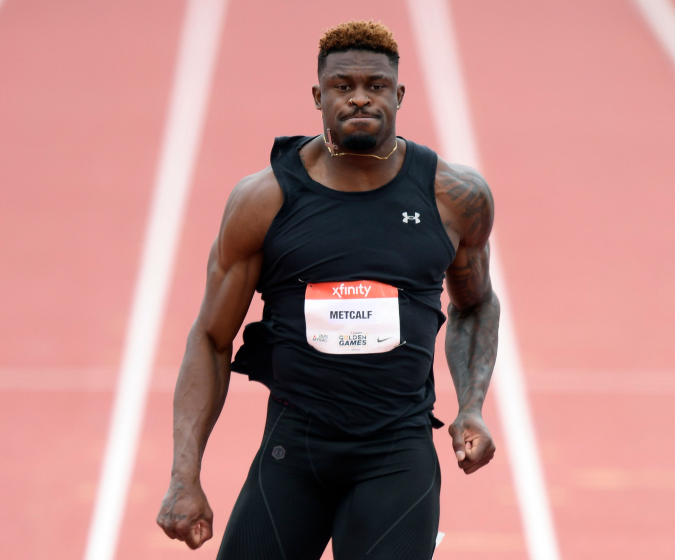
360, 141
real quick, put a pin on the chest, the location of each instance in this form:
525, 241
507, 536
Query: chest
397, 238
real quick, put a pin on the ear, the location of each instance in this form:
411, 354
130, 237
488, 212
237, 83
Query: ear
316, 94
400, 92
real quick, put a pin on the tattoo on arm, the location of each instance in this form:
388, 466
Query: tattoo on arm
469, 278
169, 514
471, 350
473, 315
471, 199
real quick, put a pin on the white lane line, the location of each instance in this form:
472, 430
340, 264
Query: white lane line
190, 91
441, 68
660, 16
521, 440
439, 538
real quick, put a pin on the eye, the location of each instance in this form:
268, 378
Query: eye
342, 87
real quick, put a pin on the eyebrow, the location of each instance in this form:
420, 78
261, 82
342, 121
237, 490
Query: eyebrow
349, 77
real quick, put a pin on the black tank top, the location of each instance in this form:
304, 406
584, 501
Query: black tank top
327, 254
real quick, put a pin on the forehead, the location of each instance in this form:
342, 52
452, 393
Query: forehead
357, 64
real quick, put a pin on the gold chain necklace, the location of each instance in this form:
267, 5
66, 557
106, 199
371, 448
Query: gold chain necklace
332, 149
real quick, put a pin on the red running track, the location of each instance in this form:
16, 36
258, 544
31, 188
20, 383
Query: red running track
573, 108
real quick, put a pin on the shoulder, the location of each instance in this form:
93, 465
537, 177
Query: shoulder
464, 196
250, 210
255, 191
461, 182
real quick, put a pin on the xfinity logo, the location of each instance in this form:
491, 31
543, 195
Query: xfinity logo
416, 217
341, 290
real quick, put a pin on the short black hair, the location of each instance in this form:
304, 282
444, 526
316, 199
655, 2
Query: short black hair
358, 36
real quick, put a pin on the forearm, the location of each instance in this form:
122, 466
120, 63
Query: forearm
471, 350
198, 400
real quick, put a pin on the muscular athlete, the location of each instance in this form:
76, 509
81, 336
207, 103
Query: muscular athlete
347, 451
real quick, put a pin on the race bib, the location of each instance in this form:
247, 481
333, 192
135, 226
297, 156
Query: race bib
352, 317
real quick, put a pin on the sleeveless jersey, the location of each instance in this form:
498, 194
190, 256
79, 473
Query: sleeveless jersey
351, 283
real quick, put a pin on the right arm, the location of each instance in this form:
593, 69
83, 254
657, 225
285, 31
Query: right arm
233, 271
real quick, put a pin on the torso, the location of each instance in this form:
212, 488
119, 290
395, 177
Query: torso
391, 234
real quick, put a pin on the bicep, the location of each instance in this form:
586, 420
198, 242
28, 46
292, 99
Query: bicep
468, 278
230, 285
467, 210
236, 257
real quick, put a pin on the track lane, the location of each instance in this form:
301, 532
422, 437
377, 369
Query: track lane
574, 114
191, 86
83, 94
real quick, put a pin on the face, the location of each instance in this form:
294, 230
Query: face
371, 83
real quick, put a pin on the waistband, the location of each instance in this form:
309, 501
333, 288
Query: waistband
329, 431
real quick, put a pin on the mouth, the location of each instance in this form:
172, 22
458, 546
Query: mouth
359, 117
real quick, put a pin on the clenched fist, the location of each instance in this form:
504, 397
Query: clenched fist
185, 514
471, 441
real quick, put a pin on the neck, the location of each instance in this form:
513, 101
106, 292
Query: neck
352, 173
367, 160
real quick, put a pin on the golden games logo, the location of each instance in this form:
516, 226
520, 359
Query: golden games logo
353, 339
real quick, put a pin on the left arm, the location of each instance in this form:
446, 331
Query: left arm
467, 210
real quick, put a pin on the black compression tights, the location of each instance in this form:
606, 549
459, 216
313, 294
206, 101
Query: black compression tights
377, 497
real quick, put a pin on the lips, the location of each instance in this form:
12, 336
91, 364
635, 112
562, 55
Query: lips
359, 116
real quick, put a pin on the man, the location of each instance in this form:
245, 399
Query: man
348, 237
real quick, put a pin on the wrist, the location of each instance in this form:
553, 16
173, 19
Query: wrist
185, 476
470, 411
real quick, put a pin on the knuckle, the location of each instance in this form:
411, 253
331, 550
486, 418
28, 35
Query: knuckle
182, 527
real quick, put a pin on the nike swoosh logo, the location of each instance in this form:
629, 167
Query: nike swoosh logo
383, 339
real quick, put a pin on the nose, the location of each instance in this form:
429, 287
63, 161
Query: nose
360, 99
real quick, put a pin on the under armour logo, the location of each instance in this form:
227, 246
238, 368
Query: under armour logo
278, 452
416, 217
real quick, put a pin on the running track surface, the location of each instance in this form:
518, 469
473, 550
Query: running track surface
573, 107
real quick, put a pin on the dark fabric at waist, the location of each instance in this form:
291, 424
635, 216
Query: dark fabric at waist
424, 418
